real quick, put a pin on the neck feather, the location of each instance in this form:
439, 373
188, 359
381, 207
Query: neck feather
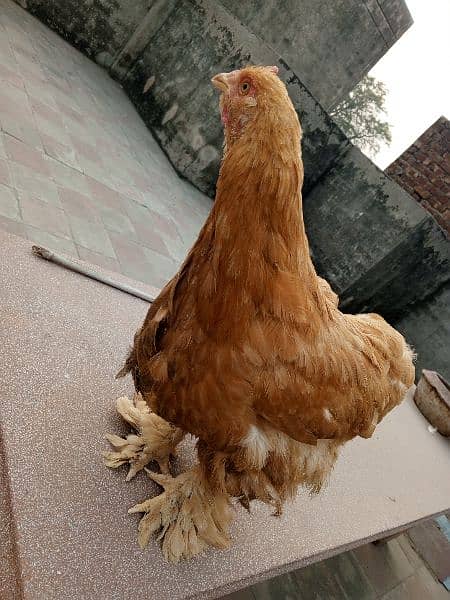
253, 248
258, 206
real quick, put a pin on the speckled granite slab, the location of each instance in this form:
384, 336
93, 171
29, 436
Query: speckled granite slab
63, 339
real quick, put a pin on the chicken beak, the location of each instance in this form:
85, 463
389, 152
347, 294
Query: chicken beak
220, 82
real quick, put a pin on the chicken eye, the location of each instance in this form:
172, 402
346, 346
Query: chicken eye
245, 86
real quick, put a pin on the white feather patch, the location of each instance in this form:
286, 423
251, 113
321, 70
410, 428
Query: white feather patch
257, 446
327, 415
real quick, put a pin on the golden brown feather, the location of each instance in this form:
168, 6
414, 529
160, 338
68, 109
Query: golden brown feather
245, 347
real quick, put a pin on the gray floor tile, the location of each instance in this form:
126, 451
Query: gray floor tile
24, 129
284, 587
60, 151
56, 99
177, 249
116, 221
14, 101
105, 197
50, 241
2, 147
36, 185
242, 595
15, 227
78, 205
5, 175
436, 589
432, 544
24, 154
151, 237
98, 259
92, 236
44, 216
352, 578
385, 565
9, 206
412, 556
417, 587
319, 581
68, 177
164, 266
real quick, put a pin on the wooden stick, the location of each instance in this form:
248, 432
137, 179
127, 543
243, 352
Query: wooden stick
90, 272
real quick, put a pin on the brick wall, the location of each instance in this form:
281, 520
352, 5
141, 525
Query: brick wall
423, 170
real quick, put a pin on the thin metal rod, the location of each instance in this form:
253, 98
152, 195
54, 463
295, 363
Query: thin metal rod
90, 272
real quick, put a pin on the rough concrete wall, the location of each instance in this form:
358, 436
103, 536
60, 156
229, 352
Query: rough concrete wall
427, 327
423, 170
98, 28
396, 15
378, 248
375, 245
330, 44
198, 40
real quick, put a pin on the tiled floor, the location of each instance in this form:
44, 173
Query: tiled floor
79, 172
390, 571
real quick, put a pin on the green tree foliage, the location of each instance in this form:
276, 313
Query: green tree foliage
361, 115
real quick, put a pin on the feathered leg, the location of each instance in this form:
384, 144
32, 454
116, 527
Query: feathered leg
189, 515
156, 439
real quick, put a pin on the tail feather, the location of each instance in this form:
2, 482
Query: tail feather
129, 366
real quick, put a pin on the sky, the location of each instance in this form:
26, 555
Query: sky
416, 71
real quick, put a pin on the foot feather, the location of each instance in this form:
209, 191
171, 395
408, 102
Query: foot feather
156, 439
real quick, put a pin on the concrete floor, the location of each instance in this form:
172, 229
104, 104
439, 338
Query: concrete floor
80, 173
390, 571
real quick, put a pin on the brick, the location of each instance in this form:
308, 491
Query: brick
422, 170
446, 163
420, 156
422, 192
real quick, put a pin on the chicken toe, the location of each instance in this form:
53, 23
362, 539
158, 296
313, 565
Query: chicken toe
188, 516
155, 439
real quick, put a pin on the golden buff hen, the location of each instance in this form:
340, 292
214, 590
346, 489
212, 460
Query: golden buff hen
246, 349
